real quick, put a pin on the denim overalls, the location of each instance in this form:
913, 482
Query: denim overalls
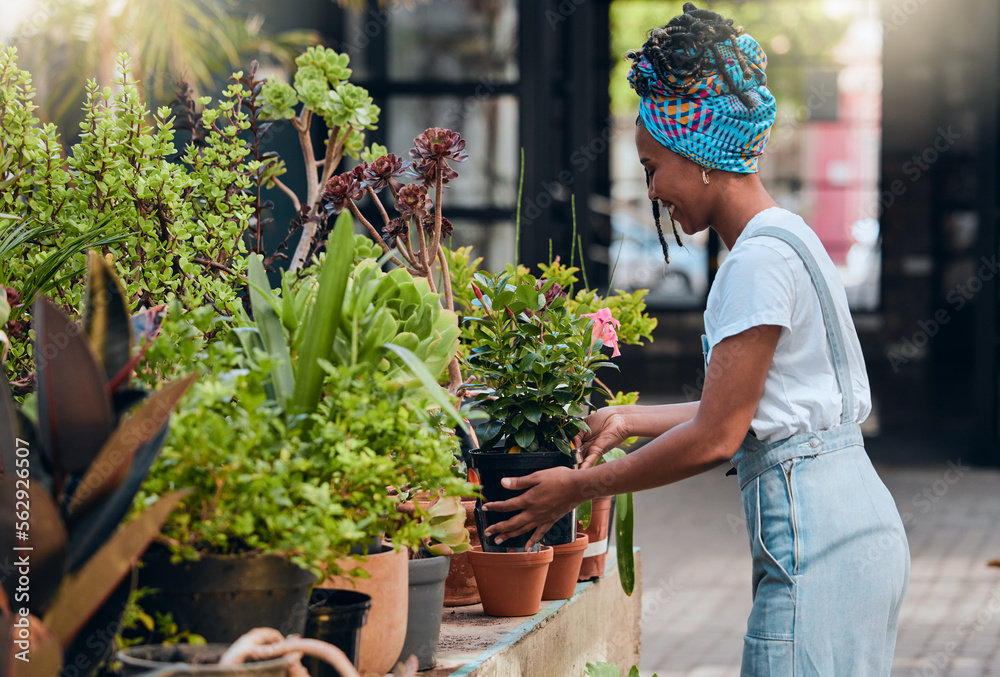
830, 557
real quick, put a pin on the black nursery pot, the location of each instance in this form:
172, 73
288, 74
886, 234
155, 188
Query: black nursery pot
493, 466
336, 617
221, 598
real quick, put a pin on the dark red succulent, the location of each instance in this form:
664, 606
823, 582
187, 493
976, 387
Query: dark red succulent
341, 188
381, 171
394, 229
446, 228
432, 151
554, 292
412, 201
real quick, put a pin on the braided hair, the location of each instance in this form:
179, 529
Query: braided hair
687, 48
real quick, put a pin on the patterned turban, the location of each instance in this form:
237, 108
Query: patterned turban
702, 119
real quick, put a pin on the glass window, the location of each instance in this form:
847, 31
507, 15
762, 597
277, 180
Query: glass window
488, 125
460, 40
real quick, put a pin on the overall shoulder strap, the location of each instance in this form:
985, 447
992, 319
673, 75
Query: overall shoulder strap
831, 319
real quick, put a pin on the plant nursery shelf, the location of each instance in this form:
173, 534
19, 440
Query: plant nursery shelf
599, 623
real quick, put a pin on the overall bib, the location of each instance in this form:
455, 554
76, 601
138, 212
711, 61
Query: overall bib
830, 557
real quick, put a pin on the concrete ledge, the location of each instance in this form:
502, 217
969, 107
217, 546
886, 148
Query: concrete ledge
599, 623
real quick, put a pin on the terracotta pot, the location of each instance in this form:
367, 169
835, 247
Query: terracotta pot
511, 583
460, 586
560, 582
383, 636
597, 551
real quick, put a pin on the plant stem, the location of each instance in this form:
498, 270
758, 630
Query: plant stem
218, 266
449, 299
517, 220
378, 203
288, 191
312, 190
371, 229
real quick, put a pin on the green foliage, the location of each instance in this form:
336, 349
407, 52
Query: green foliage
629, 308
280, 100
355, 315
608, 670
257, 482
626, 307
138, 627
311, 478
64, 43
81, 455
533, 363
321, 86
172, 229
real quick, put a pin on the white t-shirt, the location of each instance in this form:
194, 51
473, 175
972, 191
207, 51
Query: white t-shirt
764, 282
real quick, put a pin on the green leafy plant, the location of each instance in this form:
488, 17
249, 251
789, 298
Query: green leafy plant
531, 363
69, 469
609, 670
413, 239
316, 419
169, 228
445, 518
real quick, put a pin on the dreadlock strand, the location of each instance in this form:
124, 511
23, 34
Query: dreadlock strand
740, 57
659, 231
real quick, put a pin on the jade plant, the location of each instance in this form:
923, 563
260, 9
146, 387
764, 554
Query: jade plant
171, 223
71, 463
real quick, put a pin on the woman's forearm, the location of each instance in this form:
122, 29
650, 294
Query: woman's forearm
653, 421
684, 451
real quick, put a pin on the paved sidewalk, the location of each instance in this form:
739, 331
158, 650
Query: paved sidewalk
696, 574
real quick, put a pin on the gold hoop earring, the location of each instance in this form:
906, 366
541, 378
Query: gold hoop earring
704, 176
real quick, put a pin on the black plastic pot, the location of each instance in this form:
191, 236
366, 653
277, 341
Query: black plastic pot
493, 466
192, 659
221, 598
423, 620
336, 617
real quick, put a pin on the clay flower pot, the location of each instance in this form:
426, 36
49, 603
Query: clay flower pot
597, 551
560, 583
510, 583
460, 586
383, 636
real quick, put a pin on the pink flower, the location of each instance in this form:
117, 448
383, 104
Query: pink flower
604, 329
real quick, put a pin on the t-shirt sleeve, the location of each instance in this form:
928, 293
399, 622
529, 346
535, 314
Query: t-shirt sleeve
759, 289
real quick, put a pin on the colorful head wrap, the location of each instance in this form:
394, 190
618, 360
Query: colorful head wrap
703, 120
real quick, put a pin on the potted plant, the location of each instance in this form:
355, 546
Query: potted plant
632, 327
314, 416
71, 461
532, 365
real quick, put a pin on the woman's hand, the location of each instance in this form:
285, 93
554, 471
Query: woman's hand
608, 429
549, 495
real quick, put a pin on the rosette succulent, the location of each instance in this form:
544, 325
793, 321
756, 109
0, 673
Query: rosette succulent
431, 152
380, 172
